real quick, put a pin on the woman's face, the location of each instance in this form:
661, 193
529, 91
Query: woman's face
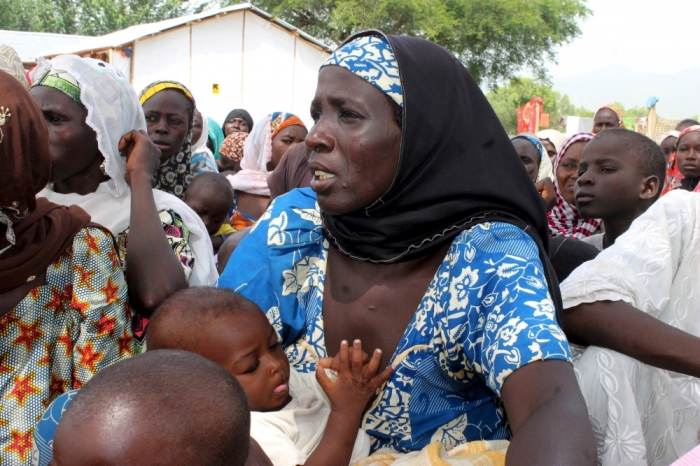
284, 140
529, 155
668, 145
167, 118
197, 127
551, 150
355, 142
605, 119
235, 125
567, 171
688, 155
73, 144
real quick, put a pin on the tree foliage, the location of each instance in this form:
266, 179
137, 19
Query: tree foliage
87, 17
494, 38
507, 99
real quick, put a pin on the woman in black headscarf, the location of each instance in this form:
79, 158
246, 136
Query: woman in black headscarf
238, 120
410, 241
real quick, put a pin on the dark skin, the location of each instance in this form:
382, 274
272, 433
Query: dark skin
668, 145
605, 119
211, 205
621, 327
546, 189
612, 187
355, 145
248, 347
229, 246
551, 150
153, 271
567, 171
75, 156
283, 140
234, 125
529, 155
688, 159
197, 126
73, 143
167, 117
252, 204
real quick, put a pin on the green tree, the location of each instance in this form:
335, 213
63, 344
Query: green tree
87, 17
505, 101
494, 38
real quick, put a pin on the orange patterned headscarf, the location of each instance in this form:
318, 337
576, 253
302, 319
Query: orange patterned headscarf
617, 111
281, 120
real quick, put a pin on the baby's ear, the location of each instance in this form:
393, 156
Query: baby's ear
651, 187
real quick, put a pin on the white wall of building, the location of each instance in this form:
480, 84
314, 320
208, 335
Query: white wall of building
257, 65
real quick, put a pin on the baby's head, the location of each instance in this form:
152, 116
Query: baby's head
210, 195
158, 408
231, 330
621, 174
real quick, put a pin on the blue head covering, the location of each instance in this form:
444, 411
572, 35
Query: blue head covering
372, 59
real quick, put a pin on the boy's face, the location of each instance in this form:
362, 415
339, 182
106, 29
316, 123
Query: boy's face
529, 155
605, 119
688, 155
248, 347
610, 181
206, 201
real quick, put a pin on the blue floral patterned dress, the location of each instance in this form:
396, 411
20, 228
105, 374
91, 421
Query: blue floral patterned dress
486, 312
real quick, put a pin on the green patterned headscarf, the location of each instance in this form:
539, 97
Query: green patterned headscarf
62, 81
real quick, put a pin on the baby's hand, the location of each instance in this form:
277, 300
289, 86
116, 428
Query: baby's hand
357, 383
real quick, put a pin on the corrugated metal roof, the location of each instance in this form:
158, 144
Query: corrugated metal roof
128, 35
30, 45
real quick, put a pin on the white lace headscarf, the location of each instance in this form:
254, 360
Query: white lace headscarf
113, 109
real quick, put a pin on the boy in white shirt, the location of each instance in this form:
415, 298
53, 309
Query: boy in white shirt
296, 418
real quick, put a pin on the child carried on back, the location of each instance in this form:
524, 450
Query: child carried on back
296, 418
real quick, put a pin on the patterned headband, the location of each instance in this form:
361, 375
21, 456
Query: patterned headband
372, 59
155, 88
62, 81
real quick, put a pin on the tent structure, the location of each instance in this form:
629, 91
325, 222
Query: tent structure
30, 45
234, 57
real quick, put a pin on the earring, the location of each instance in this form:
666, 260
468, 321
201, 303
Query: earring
103, 166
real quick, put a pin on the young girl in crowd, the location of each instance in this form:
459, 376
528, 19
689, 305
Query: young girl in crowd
564, 218
296, 418
688, 160
63, 298
88, 107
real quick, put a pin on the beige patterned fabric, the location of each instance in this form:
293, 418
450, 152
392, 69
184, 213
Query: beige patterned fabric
11, 63
640, 414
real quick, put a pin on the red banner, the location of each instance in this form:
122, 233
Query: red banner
529, 116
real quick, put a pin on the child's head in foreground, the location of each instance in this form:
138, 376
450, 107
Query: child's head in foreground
231, 330
158, 408
210, 195
621, 173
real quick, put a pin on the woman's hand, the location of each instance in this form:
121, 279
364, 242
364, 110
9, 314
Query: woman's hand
546, 190
357, 383
142, 156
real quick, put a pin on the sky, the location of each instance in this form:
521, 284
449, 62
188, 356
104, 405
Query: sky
635, 40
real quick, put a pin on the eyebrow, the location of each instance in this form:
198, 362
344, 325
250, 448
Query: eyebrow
248, 354
606, 160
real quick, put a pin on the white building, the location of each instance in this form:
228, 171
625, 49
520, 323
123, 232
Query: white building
235, 57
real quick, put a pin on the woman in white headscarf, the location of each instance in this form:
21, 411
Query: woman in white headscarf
89, 106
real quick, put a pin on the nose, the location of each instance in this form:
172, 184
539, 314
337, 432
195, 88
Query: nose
319, 138
274, 365
584, 179
162, 126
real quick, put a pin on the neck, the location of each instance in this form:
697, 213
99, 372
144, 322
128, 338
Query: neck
252, 204
616, 226
84, 182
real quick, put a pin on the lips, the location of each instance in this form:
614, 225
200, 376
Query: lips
161, 144
584, 197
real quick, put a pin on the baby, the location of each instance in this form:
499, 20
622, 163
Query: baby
210, 195
296, 418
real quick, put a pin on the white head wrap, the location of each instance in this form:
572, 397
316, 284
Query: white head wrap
553, 136
257, 152
668, 134
114, 110
201, 143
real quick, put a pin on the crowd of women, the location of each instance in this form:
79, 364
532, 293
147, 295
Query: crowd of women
540, 289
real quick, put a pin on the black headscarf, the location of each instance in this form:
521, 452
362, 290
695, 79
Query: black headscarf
239, 113
457, 167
